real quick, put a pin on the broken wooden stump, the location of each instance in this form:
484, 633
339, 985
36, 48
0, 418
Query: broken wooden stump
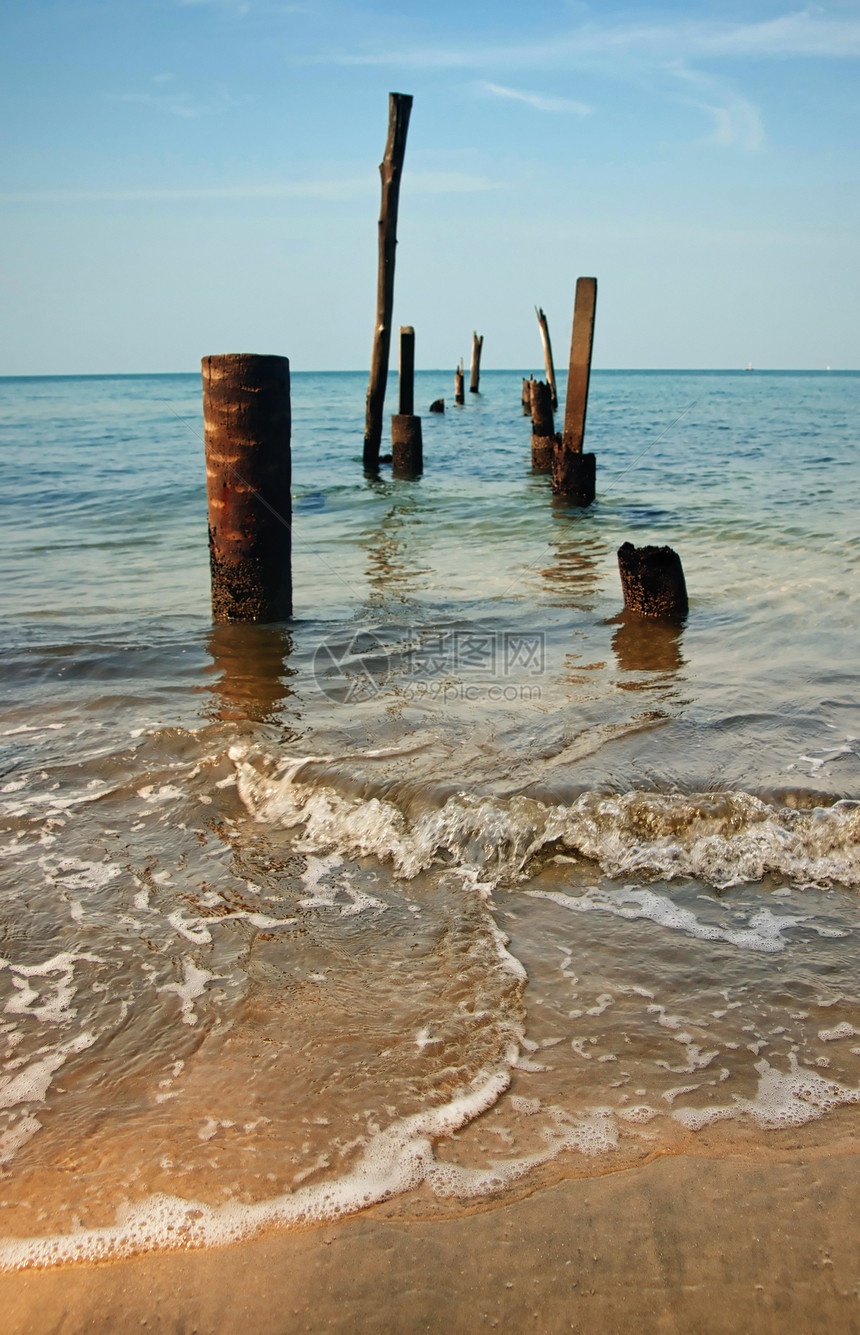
547, 354
246, 415
652, 580
475, 368
527, 396
390, 170
544, 439
437, 406
574, 473
459, 396
407, 458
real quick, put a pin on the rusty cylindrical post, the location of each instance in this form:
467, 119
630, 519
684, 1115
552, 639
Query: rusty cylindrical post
246, 413
652, 579
407, 458
459, 395
543, 437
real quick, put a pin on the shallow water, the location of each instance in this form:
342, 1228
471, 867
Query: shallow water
462, 880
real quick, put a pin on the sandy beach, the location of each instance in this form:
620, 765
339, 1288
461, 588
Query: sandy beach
682, 1244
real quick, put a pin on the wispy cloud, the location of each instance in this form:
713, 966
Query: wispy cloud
536, 100
334, 189
177, 104
803, 34
736, 121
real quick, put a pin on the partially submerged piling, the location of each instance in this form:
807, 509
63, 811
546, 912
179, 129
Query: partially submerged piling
246, 414
406, 446
390, 170
459, 395
475, 368
544, 439
652, 580
573, 472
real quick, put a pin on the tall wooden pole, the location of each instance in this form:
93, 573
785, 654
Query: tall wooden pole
579, 371
390, 170
475, 369
547, 354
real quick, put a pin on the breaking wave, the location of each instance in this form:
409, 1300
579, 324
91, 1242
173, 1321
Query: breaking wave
723, 839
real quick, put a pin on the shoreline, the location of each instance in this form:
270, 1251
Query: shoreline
679, 1244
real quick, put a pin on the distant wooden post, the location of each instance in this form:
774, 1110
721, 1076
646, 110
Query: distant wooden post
543, 435
573, 473
390, 170
459, 396
547, 354
527, 396
475, 370
407, 369
407, 459
246, 416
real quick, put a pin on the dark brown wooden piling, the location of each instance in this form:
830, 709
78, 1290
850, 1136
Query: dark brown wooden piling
407, 458
579, 370
406, 448
543, 431
459, 395
547, 354
390, 170
406, 383
246, 414
527, 396
574, 473
652, 579
475, 368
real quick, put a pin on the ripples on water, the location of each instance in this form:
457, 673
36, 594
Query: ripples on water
462, 880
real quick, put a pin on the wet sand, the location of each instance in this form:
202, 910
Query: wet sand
681, 1244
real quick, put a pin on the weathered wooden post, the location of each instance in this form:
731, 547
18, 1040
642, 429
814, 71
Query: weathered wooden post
547, 354
390, 170
406, 378
527, 395
543, 435
475, 369
406, 448
459, 395
652, 580
246, 414
573, 473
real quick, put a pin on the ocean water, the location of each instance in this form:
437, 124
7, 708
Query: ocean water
460, 882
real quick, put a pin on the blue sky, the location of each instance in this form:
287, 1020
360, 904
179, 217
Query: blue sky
184, 177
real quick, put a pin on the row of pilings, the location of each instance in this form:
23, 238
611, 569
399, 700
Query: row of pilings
246, 401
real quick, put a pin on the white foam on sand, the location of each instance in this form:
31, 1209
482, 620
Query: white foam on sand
783, 1099
193, 985
394, 1161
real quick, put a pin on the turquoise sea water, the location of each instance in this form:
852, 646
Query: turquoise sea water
460, 877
